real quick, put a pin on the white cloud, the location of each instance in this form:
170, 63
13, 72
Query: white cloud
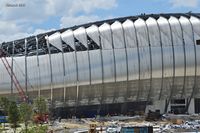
68, 21
88, 6
40, 10
18, 22
33, 11
10, 31
184, 3
20, 34
7, 27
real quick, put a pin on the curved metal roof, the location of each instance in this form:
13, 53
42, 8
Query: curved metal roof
42, 41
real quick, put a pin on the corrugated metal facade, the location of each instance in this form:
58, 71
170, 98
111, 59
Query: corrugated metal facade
143, 58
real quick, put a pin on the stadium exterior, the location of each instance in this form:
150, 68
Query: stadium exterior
150, 59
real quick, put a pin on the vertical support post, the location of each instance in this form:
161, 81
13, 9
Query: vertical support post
195, 79
13, 52
114, 60
127, 68
139, 63
26, 75
102, 70
77, 78
64, 74
166, 105
172, 87
38, 66
150, 58
50, 64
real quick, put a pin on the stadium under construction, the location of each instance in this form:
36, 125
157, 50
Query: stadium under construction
121, 65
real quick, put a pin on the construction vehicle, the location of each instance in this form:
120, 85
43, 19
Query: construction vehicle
40, 118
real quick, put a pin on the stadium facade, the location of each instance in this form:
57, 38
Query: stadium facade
152, 60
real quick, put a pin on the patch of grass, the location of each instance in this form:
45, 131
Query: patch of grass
38, 129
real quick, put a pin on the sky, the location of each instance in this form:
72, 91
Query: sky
23, 18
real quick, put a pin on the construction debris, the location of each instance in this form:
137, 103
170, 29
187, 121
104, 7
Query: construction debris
126, 124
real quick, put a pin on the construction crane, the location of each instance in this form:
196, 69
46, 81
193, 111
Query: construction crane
3, 55
38, 118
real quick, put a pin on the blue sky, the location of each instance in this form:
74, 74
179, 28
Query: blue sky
22, 18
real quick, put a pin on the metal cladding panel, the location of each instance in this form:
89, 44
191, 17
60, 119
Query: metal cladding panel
153, 30
179, 71
118, 36
68, 38
55, 40
156, 62
187, 30
196, 27
45, 73
81, 35
108, 66
166, 89
176, 31
179, 61
141, 32
156, 89
190, 60
167, 61
70, 69
165, 31
190, 56
71, 96
106, 36
178, 46
154, 37
96, 66
143, 45
5, 79
144, 63
167, 71
19, 70
143, 91
132, 90
83, 68
93, 33
33, 73
166, 41
133, 64
121, 65
189, 46
57, 70
129, 34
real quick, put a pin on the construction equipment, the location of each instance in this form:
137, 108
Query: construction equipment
40, 118
5, 62
37, 118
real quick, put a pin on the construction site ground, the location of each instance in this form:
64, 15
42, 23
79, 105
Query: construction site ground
168, 123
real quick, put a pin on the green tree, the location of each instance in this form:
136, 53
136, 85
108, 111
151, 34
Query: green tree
25, 113
13, 115
4, 104
40, 106
40, 109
